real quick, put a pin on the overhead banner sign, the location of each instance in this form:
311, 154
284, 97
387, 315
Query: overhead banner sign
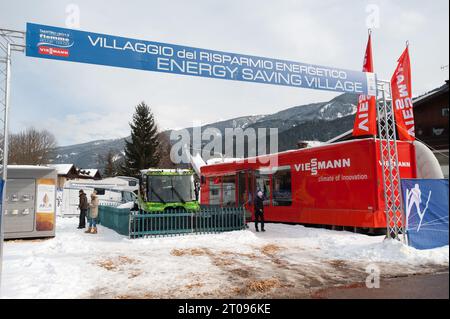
87, 47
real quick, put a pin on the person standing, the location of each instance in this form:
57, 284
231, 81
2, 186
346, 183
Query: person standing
83, 206
93, 213
197, 190
259, 210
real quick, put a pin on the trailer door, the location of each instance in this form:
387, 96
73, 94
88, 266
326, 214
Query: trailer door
246, 186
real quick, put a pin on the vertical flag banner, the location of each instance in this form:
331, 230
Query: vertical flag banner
365, 120
402, 98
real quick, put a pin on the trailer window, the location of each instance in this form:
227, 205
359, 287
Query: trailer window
215, 184
282, 188
128, 197
229, 191
132, 183
100, 191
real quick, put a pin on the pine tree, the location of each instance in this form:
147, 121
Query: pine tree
142, 151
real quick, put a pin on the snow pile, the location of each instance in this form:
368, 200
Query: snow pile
107, 265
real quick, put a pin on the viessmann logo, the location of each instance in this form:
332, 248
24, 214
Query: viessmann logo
315, 165
400, 163
54, 43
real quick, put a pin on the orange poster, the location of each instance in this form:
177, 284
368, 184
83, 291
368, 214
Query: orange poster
45, 204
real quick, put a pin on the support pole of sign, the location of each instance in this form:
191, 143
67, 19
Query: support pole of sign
389, 162
10, 40
393, 230
5, 152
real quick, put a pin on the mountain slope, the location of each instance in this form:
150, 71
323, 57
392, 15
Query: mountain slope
304, 122
87, 155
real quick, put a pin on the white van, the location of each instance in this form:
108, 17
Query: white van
115, 191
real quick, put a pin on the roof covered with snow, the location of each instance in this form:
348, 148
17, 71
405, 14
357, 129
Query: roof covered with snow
107, 183
62, 169
29, 167
339, 137
438, 91
89, 172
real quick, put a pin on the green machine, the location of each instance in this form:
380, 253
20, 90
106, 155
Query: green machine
168, 189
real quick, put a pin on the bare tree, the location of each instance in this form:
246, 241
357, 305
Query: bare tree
31, 147
164, 150
110, 162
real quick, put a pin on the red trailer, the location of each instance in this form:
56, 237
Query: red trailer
337, 184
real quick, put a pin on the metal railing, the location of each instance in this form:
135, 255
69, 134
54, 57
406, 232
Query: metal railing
141, 224
174, 222
115, 218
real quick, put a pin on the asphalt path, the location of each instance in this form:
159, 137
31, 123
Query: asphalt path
434, 286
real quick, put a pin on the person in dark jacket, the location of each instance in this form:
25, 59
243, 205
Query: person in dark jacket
83, 206
197, 190
259, 211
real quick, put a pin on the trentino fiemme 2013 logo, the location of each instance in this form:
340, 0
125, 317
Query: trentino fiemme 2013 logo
54, 43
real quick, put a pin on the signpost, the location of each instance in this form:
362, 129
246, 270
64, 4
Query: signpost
10, 41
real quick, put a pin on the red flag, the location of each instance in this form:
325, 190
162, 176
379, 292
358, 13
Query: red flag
402, 98
365, 119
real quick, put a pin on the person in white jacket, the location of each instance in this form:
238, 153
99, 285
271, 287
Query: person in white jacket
93, 213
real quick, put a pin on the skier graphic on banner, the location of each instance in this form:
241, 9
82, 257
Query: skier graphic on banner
414, 198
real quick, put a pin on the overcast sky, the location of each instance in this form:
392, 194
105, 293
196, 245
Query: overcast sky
81, 103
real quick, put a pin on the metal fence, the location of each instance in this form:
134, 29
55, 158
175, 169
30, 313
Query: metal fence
140, 224
115, 218
173, 222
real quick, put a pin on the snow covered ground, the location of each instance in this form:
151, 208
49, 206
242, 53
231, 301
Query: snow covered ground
285, 262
